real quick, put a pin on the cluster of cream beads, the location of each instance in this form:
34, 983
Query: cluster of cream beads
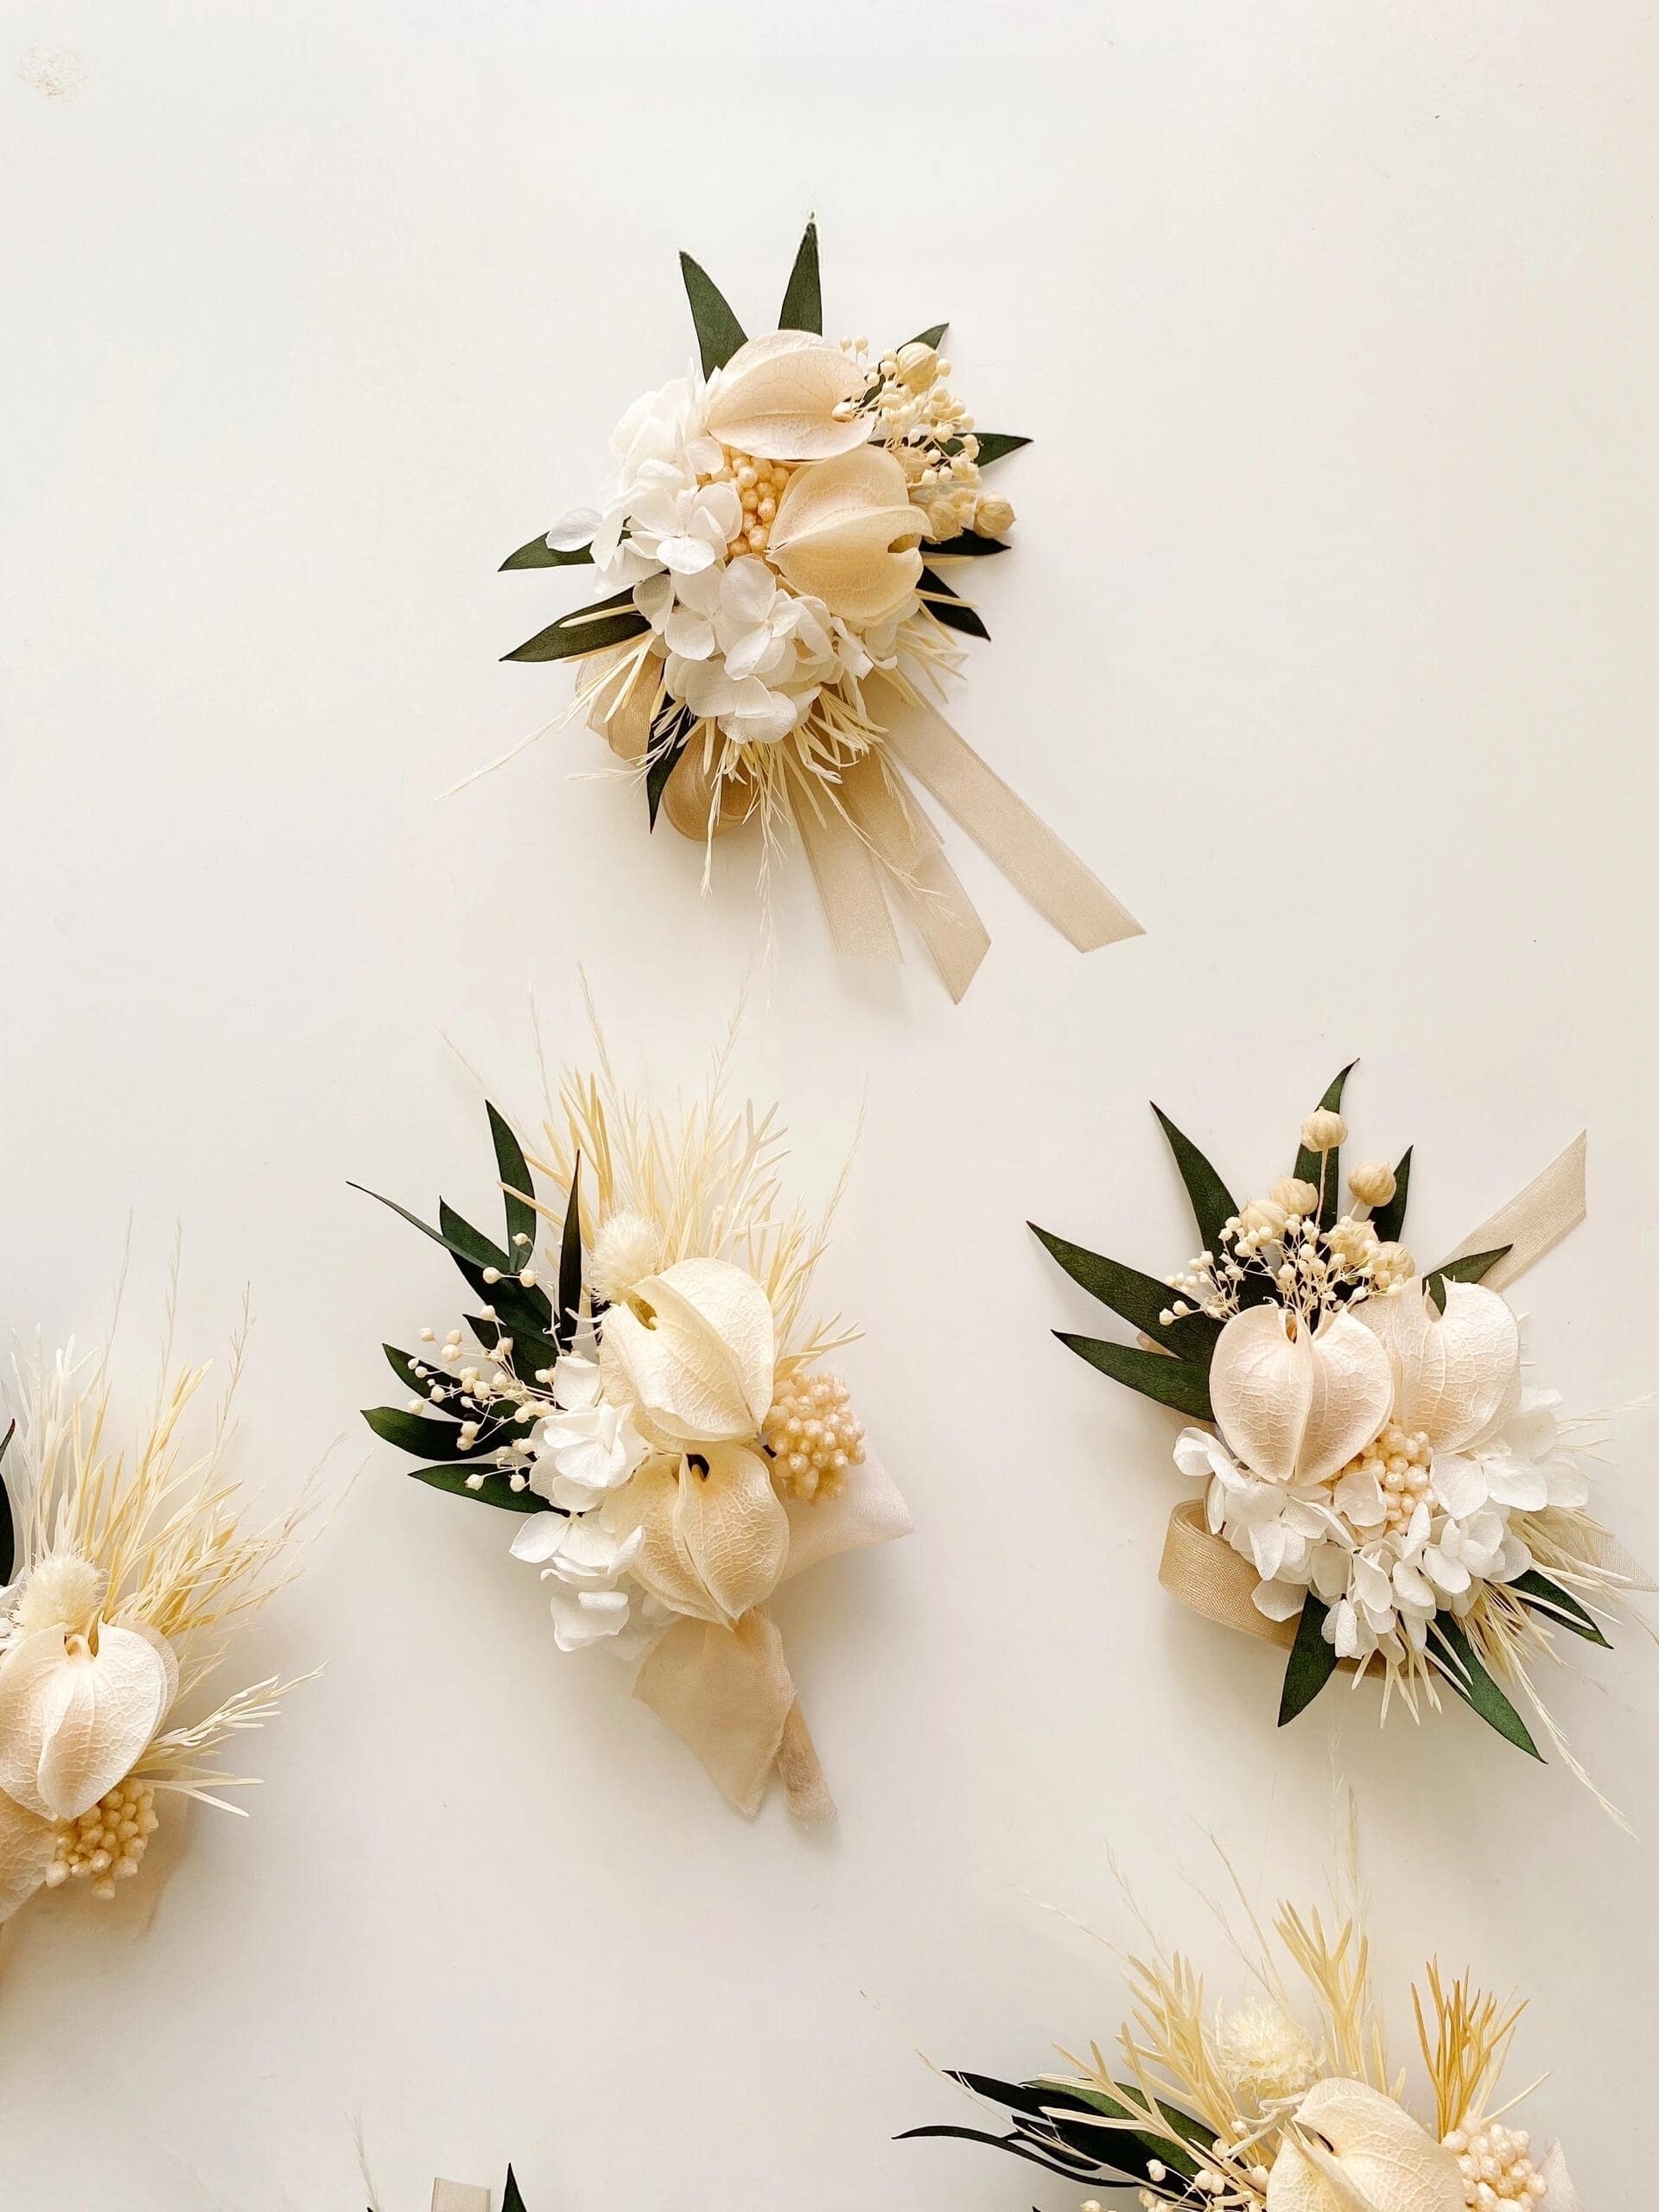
813, 1436
930, 435
760, 484
1495, 2166
106, 1843
1400, 1463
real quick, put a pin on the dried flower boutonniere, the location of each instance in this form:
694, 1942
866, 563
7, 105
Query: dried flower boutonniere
773, 546
126, 1573
1379, 1487
1290, 2099
654, 1403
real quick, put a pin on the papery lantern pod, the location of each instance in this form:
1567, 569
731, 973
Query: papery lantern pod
777, 399
1295, 1402
847, 533
77, 1712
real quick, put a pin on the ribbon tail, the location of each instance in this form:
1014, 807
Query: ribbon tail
1536, 1219
849, 877
907, 844
458, 2196
1033, 859
726, 1693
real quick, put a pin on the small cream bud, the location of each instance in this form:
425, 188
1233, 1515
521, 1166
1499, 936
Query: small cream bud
1323, 1131
917, 365
1295, 1196
993, 517
1372, 1183
1263, 1217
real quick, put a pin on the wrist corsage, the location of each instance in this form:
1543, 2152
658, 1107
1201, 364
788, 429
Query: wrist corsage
771, 547
1379, 1487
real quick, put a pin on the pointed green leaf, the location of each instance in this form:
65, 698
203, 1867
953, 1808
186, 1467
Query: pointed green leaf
970, 546
950, 608
1308, 1164
570, 1262
459, 1251
1139, 1299
514, 1170
1469, 1269
930, 336
510, 2200
1456, 1657
1312, 1663
1561, 1606
8, 1531
494, 1491
1390, 1220
719, 331
422, 1436
803, 307
1181, 1384
996, 445
538, 554
610, 621
670, 733
470, 1242
1212, 1202
1173, 2149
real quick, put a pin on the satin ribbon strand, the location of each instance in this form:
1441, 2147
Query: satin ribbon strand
458, 2196
1026, 850
1536, 1219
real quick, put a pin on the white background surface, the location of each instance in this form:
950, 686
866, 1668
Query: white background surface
1324, 641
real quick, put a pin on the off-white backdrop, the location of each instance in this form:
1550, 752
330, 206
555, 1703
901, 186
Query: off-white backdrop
1328, 640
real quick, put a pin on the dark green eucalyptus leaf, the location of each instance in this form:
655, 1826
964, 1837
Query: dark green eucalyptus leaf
494, 1491
1051, 2157
1312, 1663
1174, 2149
996, 445
1390, 1220
1471, 1268
1181, 1384
570, 1262
510, 2200
950, 608
8, 1531
803, 307
471, 1243
930, 336
970, 546
518, 1189
1326, 1173
538, 554
1458, 1661
719, 331
610, 621
459, 1252
1139, 1299
424, 1436
1211, 1201
670, 733
1546, 1597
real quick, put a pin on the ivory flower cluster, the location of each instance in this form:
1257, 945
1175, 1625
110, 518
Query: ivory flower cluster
1363, 1434
129, 1570
1289, 2101
663, 1419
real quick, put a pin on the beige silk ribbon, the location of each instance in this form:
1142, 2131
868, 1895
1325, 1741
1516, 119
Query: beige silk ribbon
458, 2196
866, 836
726, 1690
1205, 1571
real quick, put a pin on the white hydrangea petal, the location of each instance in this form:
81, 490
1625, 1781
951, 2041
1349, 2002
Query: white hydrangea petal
1459, 1483
1279, 1601
688, 634
538, 1537
575, 530
686, 555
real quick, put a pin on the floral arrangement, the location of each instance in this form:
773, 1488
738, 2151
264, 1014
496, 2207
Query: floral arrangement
656, 1407
1380, 1488
772, 544
125, 1574
1290, 2099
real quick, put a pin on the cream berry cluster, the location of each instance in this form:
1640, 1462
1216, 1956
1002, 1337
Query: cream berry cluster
813, 1436
1400, 1465
1496, 2167
107, 1841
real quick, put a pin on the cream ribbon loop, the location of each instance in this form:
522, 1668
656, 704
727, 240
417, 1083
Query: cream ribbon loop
1204, 1571
458, 2196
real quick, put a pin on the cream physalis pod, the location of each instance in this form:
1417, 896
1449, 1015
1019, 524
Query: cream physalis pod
789, 396
715, 1536
1296, 1402
691, 1353
847, 533
1454, 1372
1354, 2149
77, 1711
